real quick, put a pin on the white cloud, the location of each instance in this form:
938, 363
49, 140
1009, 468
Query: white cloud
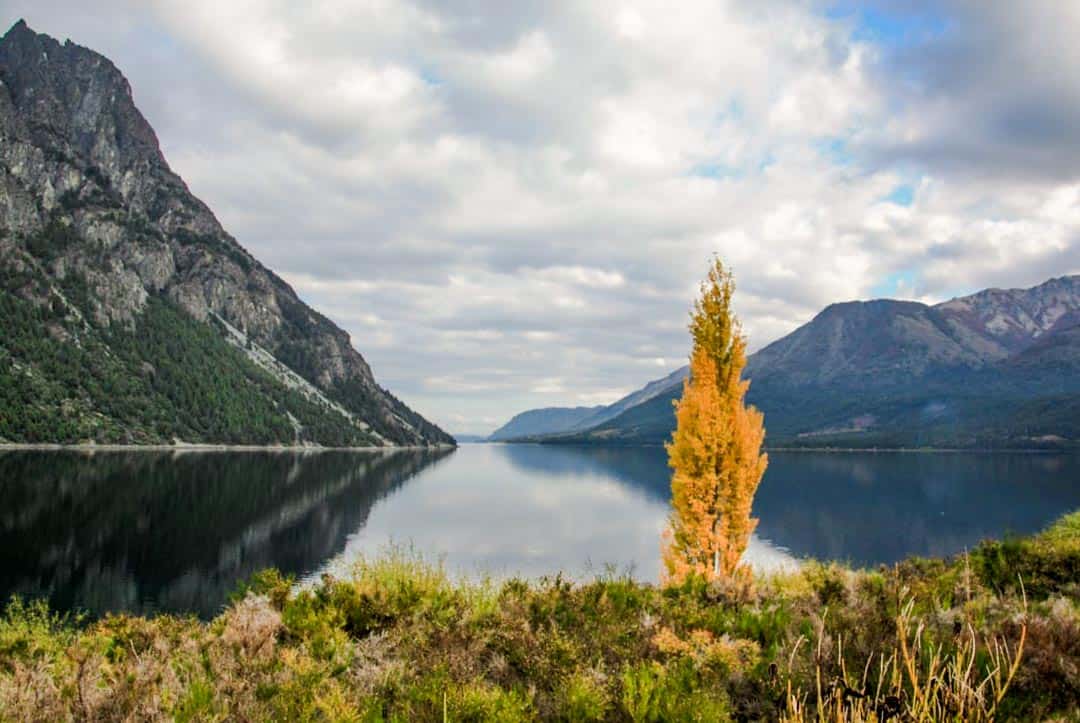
510, 204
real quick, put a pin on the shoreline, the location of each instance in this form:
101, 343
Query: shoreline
47, 447
704, 651
923, 450
829, 450
52, 447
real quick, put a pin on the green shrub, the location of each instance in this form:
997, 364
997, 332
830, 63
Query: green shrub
1043, 565
583, 697
271, 583
30, 631
398, 640
643, 691
652, 692
198, 703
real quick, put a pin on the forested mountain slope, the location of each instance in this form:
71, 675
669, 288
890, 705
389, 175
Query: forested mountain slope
128, 313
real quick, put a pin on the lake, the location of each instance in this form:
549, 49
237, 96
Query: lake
175, 531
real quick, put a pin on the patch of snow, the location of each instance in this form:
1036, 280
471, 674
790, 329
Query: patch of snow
957, 304
998, 325
1054, 313
1029, 325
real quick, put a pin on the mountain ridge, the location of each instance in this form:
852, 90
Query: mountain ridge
846, 376
101, 241
545, 420
550, 420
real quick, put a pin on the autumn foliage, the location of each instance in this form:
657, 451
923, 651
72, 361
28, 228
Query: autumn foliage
716, 448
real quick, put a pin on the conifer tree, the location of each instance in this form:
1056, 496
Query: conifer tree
715, 452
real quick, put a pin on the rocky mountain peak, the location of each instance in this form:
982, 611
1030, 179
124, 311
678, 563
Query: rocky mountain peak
76, 94
1015, 318
88, 202
73, 104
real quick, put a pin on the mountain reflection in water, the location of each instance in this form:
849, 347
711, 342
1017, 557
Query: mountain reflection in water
176, 531
536, 510
878, 508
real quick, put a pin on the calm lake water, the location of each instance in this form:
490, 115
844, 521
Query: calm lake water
176, 531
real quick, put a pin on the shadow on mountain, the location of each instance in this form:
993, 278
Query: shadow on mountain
176, 531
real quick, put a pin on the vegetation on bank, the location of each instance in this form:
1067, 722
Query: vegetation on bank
166, 376
978, 420
961, 639
74, 368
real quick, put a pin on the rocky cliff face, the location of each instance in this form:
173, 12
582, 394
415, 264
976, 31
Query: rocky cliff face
86, 195
1017, 318
884, 341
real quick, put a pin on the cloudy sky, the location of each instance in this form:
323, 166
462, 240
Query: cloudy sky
510, 204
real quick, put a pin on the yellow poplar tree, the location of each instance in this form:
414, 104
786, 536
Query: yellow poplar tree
715, 452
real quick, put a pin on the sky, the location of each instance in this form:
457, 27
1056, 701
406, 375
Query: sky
511, 205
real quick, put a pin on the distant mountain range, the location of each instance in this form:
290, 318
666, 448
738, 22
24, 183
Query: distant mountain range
999, 368
127, 313
552, 420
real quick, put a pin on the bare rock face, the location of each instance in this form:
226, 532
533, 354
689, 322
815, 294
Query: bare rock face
81, 168
1016, 318
877, 342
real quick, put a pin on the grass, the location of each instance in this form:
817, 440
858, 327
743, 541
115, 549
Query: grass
400, 640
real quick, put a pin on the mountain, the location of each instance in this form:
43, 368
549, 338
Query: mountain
128, 313
883, 343
542, 421
470, 438
1058, 350
555, 420
999, 367
650, 391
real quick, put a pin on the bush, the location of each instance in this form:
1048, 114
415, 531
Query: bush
399, 639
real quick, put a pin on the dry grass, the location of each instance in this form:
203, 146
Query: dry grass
400, 640
915, 681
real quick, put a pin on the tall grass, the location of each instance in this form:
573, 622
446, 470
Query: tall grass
916, 680
398, 639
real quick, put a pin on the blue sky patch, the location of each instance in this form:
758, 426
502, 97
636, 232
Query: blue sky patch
716, 171
893, 284
902, 195
429, 76
891, 26
835, 149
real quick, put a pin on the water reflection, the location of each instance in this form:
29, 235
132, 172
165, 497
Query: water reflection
872, 508
864, 508
175, 531
150, 531
535, 510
